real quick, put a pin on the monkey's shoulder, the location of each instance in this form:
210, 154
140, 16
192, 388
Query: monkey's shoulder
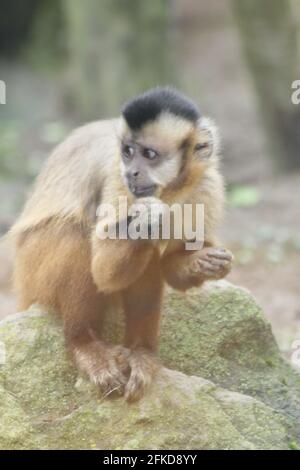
101, 135
210, 187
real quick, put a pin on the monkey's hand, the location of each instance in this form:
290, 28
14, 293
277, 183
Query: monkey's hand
185, 270
147, 213
210, 263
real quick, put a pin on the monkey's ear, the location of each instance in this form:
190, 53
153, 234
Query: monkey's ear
207, 139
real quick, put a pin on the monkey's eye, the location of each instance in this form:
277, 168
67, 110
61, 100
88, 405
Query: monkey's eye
201, 146
128, 150
204, 150
150, 154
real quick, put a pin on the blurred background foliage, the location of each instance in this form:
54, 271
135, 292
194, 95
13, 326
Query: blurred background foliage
66, 62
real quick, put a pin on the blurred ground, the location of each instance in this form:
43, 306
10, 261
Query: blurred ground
265, 239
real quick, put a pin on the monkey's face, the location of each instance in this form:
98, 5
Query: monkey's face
137, 162
152, 157
146, 169
155, 155
164, 138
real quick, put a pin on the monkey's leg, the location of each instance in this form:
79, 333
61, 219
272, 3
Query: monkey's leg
186, 269
83, 309
53, 269
105, 365
142, 305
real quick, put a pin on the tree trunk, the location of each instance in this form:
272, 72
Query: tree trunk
270, 34
118, 48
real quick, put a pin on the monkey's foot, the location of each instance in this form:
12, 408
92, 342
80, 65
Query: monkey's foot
106, 366
211, 263
143, 367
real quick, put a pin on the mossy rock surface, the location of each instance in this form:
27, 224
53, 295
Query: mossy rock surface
220, 333
239, 393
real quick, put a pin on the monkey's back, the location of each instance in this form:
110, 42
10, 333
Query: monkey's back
70, 183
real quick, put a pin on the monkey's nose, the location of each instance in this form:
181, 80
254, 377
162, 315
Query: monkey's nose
135, 173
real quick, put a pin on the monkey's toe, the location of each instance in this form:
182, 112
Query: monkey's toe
136, 386
110, 381
110, 371
143, 369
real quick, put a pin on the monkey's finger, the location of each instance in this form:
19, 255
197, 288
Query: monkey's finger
218, 262
206, 265
216, 274
221, 254
206, 272
199, 266
218, 251
210, 274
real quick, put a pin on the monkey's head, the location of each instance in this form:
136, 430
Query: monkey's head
163, 137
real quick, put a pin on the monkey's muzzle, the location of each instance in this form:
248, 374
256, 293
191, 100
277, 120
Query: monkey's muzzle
143, 191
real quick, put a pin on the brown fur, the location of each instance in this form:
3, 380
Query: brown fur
62, 264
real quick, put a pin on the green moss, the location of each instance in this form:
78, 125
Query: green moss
294, 446
218, 333
222, 335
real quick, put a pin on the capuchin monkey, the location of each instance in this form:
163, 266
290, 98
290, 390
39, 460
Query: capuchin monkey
160, 151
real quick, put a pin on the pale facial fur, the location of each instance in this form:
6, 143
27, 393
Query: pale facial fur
164, 135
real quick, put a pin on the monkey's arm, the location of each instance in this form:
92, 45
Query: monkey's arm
116, 264
185, 269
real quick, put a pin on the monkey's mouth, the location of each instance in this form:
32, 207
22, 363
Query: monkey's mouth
143, 191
